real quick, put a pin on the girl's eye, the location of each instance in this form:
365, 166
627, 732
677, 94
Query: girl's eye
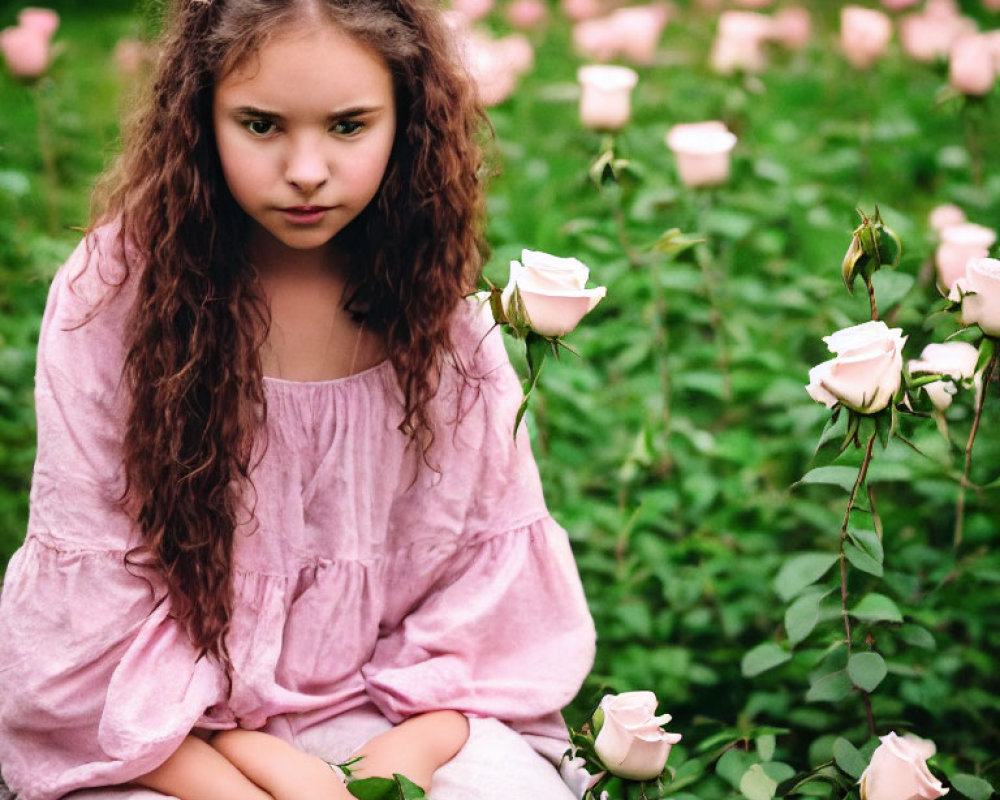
347, 127
259, 127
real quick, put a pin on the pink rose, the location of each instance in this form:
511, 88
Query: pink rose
979, 290
740, 41
637, 31
867, 369
898, 770
26, 51
527, 14
899, 5
958, 244
864, 35
595, 40
472, 9
792, 27
631, 742
606, 96
946, 215
971, 70
956, 360
928, 36
577, 10
548, 294
43, 20
702, 151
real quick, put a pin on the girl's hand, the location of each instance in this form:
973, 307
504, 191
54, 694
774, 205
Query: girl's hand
415, 748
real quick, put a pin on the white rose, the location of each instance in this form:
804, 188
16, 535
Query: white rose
631, 742
552, 292
898, 771
980, 293
574, 774
957, 360
866, 372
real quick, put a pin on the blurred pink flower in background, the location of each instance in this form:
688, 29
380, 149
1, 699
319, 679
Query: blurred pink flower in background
740, 41
131, 55
792, 27
864, 35
606, 96
494, 64
517, 51
899, 5
959, 243
27, 48
472, 9
595, 40
702, 151
577, 10
957, 360
945, 215
527, 14
970, 68
754, 3
638, 30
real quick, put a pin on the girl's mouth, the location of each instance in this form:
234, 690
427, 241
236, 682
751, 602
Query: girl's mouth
305, 215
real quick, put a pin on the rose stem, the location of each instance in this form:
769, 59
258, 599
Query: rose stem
871, 297
981, 401
702, 256
862, 474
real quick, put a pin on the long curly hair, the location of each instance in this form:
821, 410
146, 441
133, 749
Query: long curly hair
193, 346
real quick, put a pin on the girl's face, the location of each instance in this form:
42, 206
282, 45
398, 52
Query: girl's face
304, 129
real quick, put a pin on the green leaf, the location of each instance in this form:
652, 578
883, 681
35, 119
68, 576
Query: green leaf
757, 785
674, 242
733, 764
971, 786
848, 757
802, 570
766, 745
877, 607
862, 560
763, 657
868, 541
866, 670
918, 637
801, 617
844, 477
373, 789
408, 790
831, 688
986, 349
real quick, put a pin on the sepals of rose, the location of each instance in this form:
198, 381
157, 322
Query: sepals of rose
865, 373
630, 741
546, 295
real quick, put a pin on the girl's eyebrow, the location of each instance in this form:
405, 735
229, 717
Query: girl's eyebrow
356, 111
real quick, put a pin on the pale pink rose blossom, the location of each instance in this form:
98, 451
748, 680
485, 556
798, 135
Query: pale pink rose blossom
517, 51
606, 96
866, 372
946, 215
971, 70
740, 42
979, 290
631, 742
575, 776
702, 151
577, 10
552, 292
899, 5
527, 15
43, 20
472, 9
792, 27
929, 36
595, 40
864, 35
26, 51
638, 30
958, 244
955, 360
898, 770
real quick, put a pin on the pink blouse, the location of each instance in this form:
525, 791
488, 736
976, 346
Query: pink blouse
365, 577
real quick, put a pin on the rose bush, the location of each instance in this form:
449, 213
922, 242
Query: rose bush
631, 742
548, 294
979, 291
867, 369
957, 360
898, 770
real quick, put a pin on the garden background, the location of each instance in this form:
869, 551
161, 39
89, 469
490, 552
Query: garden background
672, 446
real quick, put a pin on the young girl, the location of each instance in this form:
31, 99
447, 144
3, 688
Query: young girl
278, 515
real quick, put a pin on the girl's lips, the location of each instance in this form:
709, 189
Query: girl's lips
305, 215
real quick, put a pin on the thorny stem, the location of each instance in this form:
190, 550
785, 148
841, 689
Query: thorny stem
963, 485
862, 474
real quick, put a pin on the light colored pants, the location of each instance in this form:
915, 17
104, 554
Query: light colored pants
495, 764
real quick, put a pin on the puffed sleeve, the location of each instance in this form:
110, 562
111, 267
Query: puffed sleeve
506, 632
97, 683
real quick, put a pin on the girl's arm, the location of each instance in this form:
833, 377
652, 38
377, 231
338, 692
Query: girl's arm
416, 747
196, 771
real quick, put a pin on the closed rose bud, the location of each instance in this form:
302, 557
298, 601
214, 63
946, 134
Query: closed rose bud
864, 35
703, 152
26, 51
577, 10
898, 771
792, 27
958, 244
740, 42
637, 31
473, 9
971, 70
595, 40
606, 96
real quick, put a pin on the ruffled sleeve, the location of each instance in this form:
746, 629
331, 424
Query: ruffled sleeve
97, 683
505, 632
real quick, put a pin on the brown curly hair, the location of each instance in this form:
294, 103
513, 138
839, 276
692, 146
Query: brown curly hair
193, 365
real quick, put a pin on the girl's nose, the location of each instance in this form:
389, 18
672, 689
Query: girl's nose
306, 168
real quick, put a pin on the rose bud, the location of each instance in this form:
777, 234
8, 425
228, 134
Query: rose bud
739, 42
638, 30
979, 290
792, 27
970, 69
702, 151
631, 742
527, 14
864, 35
898, 770
606, 99
944, 216
957, 360
548, 294
958, 244
26, 51
866, 372
43, 20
